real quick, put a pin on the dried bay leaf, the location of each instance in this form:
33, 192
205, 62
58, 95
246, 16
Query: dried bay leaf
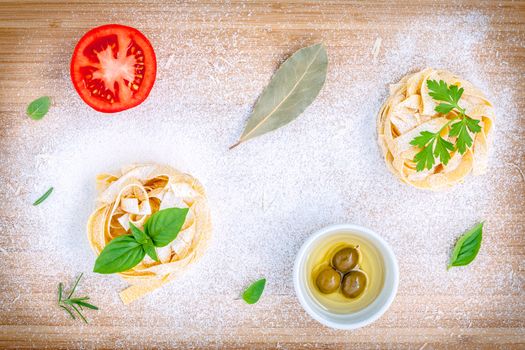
292, 89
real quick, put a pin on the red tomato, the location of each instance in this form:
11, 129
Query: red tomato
113, 68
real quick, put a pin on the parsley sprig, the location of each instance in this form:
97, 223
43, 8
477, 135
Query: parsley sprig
70, 304
433, 145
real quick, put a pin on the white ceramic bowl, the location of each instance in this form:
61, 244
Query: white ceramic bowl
364, 316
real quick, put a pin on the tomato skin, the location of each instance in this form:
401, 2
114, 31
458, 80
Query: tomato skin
79, 59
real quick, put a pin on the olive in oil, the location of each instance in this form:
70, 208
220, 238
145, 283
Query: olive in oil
371, 263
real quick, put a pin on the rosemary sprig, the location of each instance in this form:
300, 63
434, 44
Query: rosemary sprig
77, 304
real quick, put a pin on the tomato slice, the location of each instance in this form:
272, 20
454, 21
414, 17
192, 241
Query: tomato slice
113, 68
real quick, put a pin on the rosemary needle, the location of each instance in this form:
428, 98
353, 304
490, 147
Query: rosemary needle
43, 197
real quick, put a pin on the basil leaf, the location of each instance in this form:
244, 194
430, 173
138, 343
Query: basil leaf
140, 236
164, 226
253, 293
38, 108
150, 250
467, 247
121, 254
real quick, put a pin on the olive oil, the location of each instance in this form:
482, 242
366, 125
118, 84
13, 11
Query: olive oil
320, 259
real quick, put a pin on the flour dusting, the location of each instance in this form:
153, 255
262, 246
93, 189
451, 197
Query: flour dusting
269, 194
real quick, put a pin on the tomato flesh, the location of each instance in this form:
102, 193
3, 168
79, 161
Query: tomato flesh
113, 68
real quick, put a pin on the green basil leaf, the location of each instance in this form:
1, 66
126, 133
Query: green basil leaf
150, 250
467, 247
164, 226
121, 254
139, 235
38, 108
253, 293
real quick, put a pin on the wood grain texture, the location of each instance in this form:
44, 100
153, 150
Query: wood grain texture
36, 41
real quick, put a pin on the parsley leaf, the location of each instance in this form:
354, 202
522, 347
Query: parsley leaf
432, 145
425, 158
444, 108
473, 124
460, 130
423, 138
442, 150
440, 91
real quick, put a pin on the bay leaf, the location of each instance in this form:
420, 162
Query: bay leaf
294, 86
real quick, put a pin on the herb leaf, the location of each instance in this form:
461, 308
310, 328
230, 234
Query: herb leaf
440, 91
442, 150
125, 252
139, 236
423, 138
467, 247
433, 145
89, 306
150, 250
68, 302
43, 197
444, 108
253, 293
145, 240
38, 108
425, 158
464, 140
164, 226
121, 254
473, 124
293, 87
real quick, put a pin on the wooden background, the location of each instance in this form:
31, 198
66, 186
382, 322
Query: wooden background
28, 33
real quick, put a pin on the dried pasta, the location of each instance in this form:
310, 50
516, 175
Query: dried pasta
410, 109
133, 195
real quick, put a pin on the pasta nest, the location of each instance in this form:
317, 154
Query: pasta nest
409, 110
133, 195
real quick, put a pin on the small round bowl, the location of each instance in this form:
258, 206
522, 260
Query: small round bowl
368, 314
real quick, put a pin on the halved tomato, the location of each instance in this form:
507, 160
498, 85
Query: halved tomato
113, 68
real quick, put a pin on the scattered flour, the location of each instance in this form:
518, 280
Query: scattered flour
269, 194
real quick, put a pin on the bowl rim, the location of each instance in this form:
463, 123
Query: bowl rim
384, 249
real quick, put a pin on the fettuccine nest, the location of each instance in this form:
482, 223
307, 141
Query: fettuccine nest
134, 195
410, 109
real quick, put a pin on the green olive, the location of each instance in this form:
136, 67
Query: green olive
354, 283
328, 280
346, 259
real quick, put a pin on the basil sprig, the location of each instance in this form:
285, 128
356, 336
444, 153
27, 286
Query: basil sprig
142, 238
125, 252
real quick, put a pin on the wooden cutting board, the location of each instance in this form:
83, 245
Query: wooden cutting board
36, 42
